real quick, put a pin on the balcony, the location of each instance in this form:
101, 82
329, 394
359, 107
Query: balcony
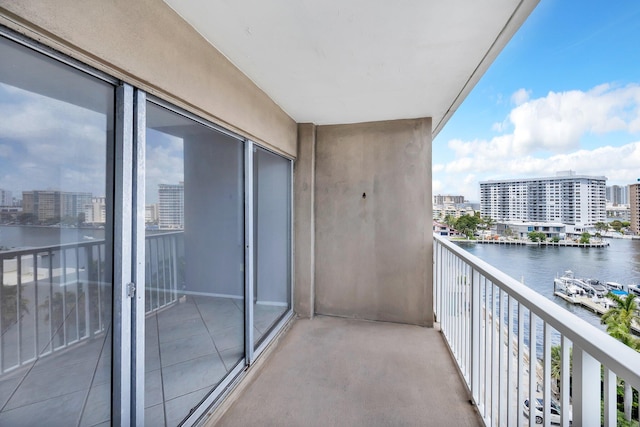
329, 371
323, 371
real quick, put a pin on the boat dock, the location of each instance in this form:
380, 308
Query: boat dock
584, 301
591, 305
562, 243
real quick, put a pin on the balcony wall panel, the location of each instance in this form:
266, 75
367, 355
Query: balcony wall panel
373, 242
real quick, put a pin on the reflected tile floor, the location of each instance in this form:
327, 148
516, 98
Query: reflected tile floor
189, 348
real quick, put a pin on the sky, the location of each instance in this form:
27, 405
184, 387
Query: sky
564, 94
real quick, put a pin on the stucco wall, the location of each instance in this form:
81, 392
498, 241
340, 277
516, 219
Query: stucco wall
145, 43
373, 242
304, 228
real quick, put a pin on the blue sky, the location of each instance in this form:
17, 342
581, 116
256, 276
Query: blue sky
563, 94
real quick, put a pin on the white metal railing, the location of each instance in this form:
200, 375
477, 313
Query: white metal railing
53, 298
489, 320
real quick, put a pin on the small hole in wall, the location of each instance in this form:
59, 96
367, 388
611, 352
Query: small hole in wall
364, 195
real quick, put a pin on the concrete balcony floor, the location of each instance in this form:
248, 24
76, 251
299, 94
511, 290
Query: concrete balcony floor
331, 371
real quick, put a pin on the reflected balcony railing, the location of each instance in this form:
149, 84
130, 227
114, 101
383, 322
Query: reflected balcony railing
53, 298
512, 345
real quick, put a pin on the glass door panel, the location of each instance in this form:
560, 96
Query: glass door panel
194, 256
272, 240
56, 145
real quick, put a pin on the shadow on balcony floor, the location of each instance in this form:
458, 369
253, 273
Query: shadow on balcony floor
333, 371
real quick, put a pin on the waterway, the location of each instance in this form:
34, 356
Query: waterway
35, 236
537, 266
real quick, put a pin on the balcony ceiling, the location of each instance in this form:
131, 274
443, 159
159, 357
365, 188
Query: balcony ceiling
332, 61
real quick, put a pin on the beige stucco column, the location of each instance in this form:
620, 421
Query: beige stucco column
304, 222
373, 226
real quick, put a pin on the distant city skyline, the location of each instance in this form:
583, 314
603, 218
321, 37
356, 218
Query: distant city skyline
563, 95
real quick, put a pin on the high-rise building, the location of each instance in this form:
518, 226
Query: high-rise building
439, 200
151, 214
48, 205
96, 211
634, 207
5, 198
171, 206
618, 195
567, 198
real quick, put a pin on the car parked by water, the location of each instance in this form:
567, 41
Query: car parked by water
555, 411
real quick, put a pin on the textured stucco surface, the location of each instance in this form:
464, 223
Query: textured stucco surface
303, 197
373, 238
145, 43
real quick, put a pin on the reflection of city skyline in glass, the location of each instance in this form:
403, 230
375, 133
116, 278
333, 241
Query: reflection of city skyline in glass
56, 262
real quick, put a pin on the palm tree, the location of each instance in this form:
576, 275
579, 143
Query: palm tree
556, 364
618, 320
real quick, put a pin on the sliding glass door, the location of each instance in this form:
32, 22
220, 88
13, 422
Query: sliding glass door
272, 240
194, 262
56, 241
145, 253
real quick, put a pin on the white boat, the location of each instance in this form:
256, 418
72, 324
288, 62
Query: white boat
614, 286
634, 289
567, 284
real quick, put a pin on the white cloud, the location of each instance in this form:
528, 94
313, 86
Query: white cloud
63, 146
436, 186
520, 96
164, 162
558, 121
545, 136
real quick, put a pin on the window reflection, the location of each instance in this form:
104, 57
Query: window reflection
194, 263
55, 265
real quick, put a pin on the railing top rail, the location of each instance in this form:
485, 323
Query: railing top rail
40, 249
161, 233
621, 359
12, 253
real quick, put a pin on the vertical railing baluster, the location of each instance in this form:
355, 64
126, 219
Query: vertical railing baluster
88, 324
533, 380
546, 376
18, 310
1, 315
77, 296
99, 284
164, 270
495, 356
610, 399
36, 323
458, 317
175, 263
565, 381
445, 296
521, 369
501, 366
586, 389
467, 327
63, 287
475, 336
487, 350
438, 293
51, 306
157, 284
512, 407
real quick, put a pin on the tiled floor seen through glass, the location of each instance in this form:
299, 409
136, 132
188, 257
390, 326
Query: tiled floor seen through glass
190, 346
